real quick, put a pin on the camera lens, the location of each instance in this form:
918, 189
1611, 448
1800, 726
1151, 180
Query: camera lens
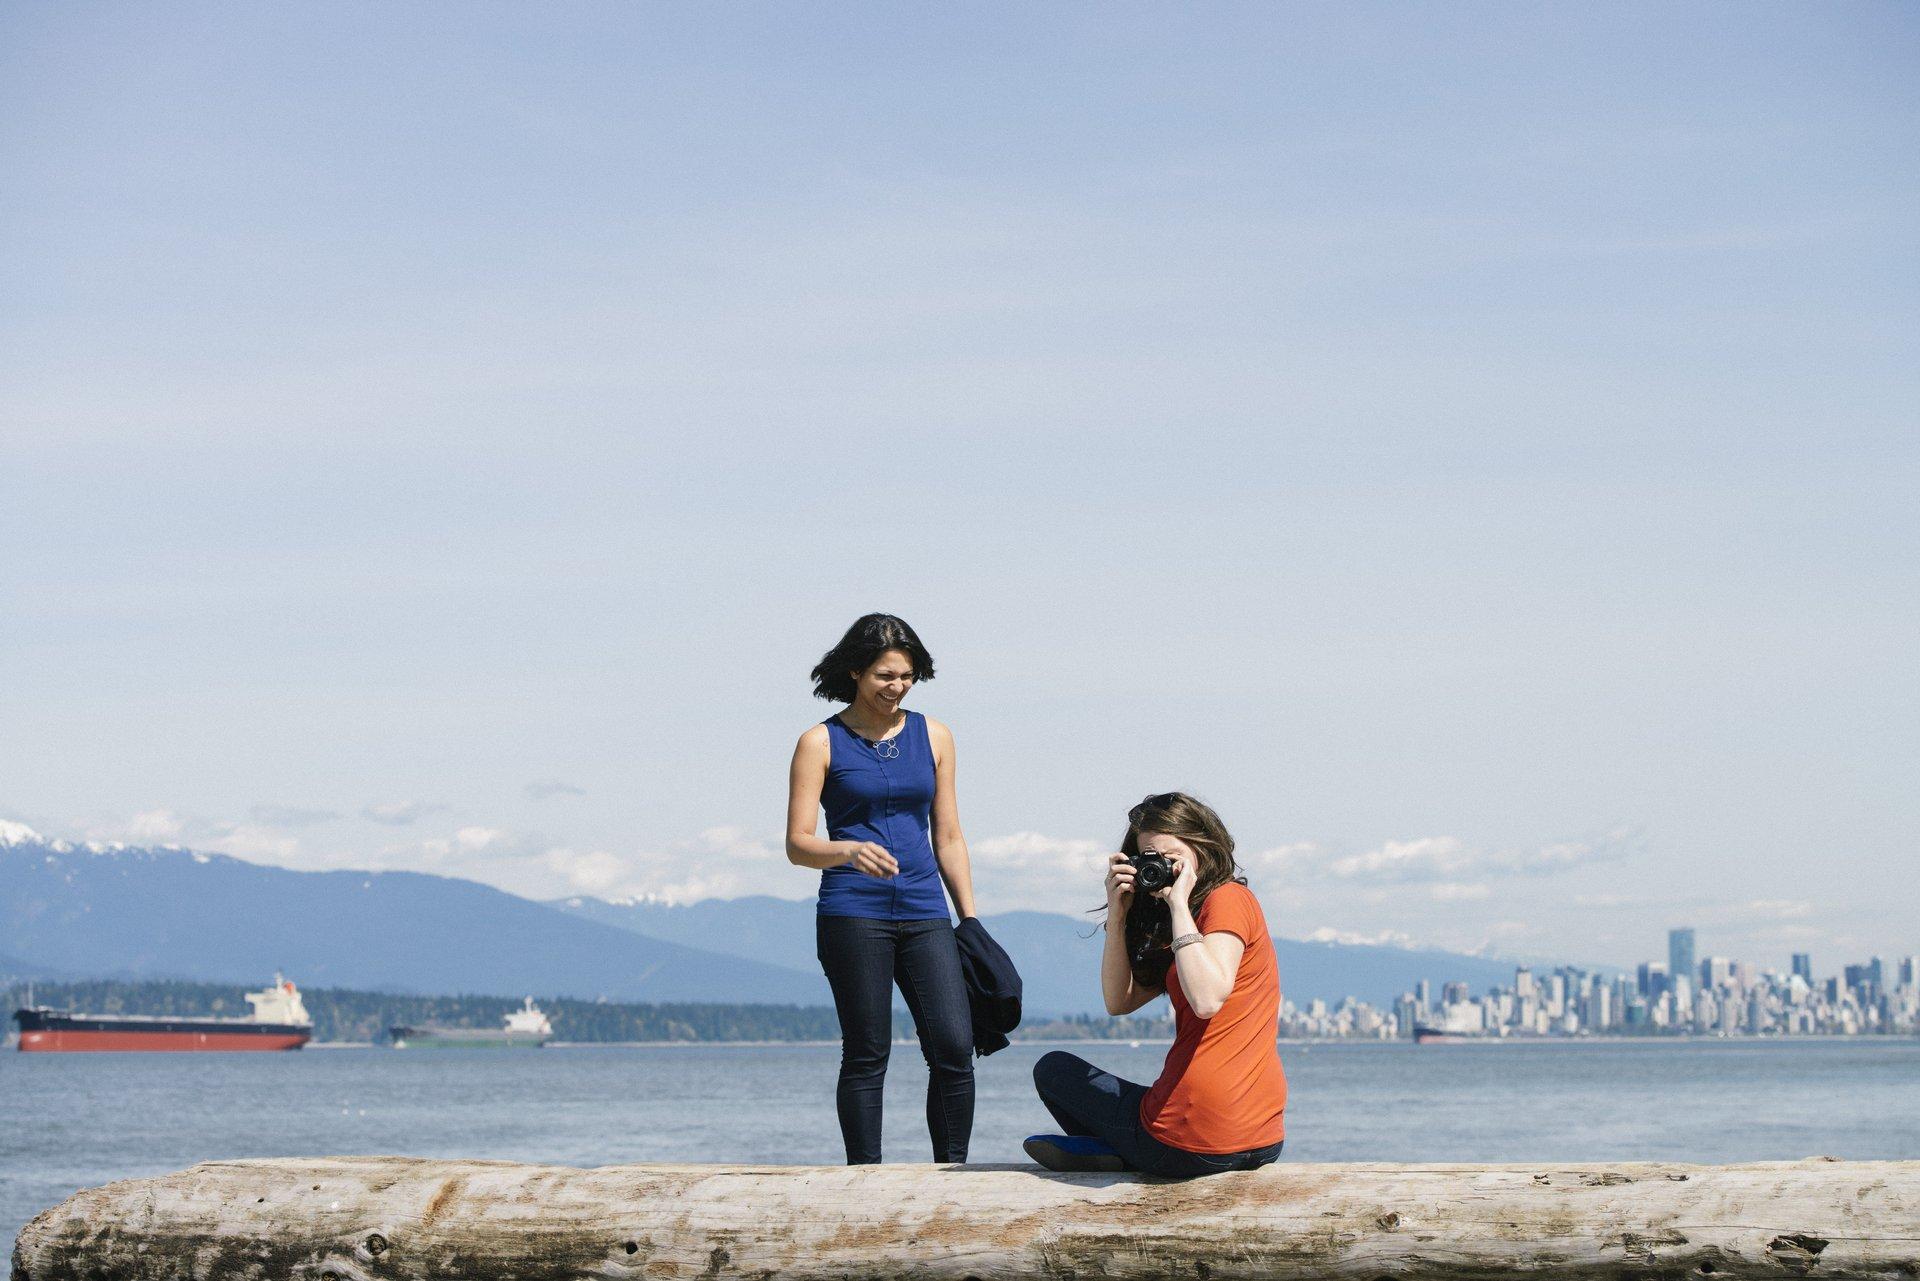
1153, 872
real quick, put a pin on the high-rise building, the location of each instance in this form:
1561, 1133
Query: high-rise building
1407, 1013
1680, 952
1653, 980
1803, 966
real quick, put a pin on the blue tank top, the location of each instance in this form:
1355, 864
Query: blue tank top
882, 792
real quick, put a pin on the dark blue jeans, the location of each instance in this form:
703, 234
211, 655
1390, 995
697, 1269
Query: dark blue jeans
863, 959
1087, 1101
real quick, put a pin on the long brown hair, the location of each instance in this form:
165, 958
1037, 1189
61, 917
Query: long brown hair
1149, 922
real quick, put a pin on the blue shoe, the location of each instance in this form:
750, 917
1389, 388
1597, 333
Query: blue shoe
1073, 1153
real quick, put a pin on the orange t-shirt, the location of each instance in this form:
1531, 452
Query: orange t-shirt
1223, 1089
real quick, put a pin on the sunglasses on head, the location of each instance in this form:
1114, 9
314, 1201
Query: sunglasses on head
1158, 801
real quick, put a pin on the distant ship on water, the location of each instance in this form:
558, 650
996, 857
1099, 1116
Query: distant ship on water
279, 1022
1424, 1035
524, 1028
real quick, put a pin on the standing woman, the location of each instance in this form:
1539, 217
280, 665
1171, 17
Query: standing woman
885, 778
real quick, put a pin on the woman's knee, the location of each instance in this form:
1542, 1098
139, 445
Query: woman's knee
949, 1051
1055, 1066
864, 1054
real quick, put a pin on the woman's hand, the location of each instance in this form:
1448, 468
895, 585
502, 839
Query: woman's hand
1119, 882
1185, 874
872, 859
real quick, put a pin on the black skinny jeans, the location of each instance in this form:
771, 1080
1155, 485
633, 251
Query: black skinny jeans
1087, 1101
863, 959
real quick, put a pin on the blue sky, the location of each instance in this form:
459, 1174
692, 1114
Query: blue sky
1473, 447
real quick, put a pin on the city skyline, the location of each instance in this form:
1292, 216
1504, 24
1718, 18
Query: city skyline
1718, 996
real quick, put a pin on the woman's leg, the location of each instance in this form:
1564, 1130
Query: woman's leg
1177, 1163
1087, 1101
927, 967
857, 955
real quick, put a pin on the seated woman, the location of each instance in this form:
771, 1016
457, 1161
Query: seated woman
1221, 1099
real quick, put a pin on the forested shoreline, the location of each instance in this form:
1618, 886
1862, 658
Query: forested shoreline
344, 1015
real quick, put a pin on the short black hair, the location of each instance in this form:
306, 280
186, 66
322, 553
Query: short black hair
870, 636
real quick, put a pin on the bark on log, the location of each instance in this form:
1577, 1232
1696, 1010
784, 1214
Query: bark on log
406, 1219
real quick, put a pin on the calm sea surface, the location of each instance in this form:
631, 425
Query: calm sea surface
72, 1120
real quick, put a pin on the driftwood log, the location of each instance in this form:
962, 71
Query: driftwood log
404, 1219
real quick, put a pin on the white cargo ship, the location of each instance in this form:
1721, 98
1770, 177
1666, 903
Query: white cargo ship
525, 1028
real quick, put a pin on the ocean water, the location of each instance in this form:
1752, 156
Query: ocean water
72, 1120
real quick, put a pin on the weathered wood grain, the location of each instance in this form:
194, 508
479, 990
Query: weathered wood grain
406, 1219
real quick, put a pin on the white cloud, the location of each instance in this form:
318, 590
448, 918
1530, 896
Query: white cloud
1030, 850
1030, 871
595, 873
1566, 854
737, 843
1458, 891
1425, 857
1448, 858
259, 843
1502, 936
468, 847
148, 827
721, 862
1354, 938
155, 825
1281, 859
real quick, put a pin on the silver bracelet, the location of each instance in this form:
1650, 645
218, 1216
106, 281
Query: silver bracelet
1185, 939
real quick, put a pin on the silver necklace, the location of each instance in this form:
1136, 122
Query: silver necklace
887, 749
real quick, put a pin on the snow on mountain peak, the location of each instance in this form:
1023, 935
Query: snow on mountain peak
19, 834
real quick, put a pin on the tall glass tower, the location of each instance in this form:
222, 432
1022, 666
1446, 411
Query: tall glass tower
1680, 955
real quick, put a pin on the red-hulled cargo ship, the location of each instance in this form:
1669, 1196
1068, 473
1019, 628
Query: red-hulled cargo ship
279, 1022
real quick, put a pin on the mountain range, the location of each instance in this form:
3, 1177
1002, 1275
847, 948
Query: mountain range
173, 913
165, 912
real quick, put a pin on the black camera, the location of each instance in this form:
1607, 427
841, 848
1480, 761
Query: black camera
1152, 872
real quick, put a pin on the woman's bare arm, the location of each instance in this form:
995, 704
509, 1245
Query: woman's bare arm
1207, 968
805, 779
949, 842
1123, 995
